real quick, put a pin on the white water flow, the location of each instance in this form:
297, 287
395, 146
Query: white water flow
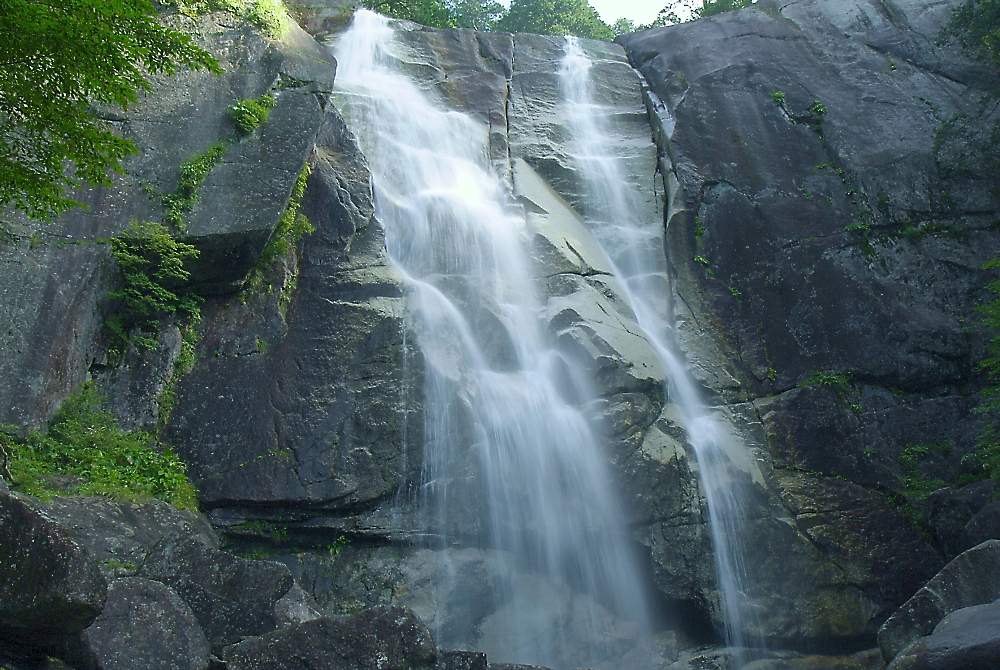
632, 236
505, 440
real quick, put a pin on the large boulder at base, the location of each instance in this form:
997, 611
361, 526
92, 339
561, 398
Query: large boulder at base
231, 597
50, 586
967, 639
381, 638
144, 625
973, 578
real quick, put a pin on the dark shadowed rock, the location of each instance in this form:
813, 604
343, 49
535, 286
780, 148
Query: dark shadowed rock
461, 660
50, 586
144, 625
231, 597
383, 638
973, 578
985, 525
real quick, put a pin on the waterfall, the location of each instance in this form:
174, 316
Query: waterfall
505, 439
632, 237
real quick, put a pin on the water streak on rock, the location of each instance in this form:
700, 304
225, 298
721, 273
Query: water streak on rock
632, 237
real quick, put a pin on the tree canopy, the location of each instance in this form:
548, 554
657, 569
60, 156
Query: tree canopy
59, 60
544, 17
556, 17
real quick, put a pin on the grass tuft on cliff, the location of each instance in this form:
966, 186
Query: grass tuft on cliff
85, 452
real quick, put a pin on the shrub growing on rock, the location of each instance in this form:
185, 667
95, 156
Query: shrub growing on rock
154, 283
85, 452
252, 113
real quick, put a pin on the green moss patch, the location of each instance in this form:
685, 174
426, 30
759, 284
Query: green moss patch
291, 227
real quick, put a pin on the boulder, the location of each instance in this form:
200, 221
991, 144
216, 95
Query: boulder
966, 639
231, 597
120, 535
50, 586
382, 638
973, 578
145, 625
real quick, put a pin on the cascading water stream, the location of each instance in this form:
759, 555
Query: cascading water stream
496, 385
633, 240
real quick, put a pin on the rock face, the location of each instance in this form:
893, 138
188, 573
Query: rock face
53, 277
830, 205
823, 170
323, 428
967, 639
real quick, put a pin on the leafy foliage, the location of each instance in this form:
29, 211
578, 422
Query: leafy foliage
545, 17
713, 7
623, 26
154, 283
435, 13
268, 15
58, 60
85, 452
976, 26
251, 113
477, 14
914, 459
556, 17
193, 174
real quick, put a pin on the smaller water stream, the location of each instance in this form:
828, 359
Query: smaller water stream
632, 236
